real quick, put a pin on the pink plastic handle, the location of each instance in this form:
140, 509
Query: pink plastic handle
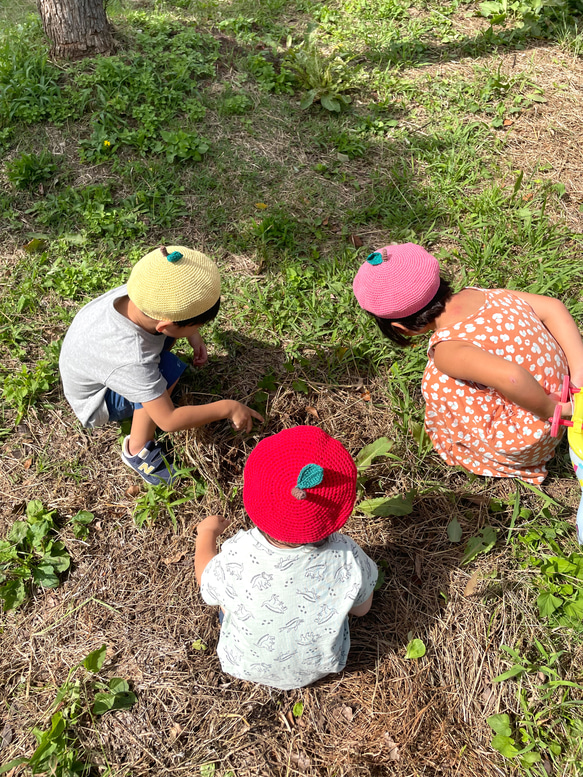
556, 421
565, 391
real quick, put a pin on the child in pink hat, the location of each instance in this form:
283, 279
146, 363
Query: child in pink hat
287, 587
496, 360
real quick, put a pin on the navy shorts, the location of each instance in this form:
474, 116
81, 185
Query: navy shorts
171, 369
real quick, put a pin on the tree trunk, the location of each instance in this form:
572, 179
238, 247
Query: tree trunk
76, 28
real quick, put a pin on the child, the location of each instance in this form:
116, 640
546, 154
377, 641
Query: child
116, 362
496, 364
286, 587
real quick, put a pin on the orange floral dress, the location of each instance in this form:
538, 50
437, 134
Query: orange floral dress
473, 425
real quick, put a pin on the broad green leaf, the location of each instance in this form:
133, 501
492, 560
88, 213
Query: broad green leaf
548, 603
198, 644
37, 533
528, 759
369, 453
454, 530
207, 770
558, 566
383, 507
307, 99
415, 649
574, 609
104, 702
484, 542
500, 724
298, 709
118, 685
57, 557
44, 575
18, 531
7, 552
301, 386
504, 745
95, 660
330, 103
13, 593
35, 510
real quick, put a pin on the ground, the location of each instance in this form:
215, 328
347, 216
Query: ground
459, 136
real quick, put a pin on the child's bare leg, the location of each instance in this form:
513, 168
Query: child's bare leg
143, 428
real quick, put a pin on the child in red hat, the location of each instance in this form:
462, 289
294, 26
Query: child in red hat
287, 586
496, 360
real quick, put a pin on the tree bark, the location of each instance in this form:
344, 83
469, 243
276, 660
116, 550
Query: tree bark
76, 28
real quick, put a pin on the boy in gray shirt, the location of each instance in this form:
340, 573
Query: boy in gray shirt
116, 360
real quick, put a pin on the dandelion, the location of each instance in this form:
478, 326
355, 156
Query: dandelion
106, 143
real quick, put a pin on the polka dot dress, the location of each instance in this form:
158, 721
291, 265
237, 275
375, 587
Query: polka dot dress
473, 425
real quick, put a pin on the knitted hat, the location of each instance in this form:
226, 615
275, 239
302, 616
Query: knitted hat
299, 486
173, 283
397, 281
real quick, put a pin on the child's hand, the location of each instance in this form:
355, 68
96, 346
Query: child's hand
566, 409
215, 524
200, 355
242, 417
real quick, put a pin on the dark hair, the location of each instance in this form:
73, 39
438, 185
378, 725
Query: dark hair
292, 544
416, 322
202, 318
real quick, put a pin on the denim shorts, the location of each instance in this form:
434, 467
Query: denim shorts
171, 369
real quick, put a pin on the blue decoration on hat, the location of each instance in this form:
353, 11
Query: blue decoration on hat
374, 259
310, 476
175, 256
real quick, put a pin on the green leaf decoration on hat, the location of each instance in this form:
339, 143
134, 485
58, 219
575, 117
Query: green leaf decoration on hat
175, 256
373, 259
310, 476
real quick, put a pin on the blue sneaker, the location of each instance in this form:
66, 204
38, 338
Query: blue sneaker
149, 463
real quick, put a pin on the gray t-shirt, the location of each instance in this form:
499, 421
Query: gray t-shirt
105, 350
286, 609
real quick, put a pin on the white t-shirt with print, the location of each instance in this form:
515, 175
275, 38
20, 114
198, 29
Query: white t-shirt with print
286, 609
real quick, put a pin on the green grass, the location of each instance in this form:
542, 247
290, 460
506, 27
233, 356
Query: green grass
194, 132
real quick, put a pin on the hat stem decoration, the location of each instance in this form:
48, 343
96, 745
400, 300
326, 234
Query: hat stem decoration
310, 476
163, 250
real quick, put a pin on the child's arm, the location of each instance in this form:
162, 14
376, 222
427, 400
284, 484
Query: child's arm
362, 609
563, 328
465, 361
206, 544
173, 419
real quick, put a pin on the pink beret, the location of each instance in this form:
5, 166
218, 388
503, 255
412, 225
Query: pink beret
397, 281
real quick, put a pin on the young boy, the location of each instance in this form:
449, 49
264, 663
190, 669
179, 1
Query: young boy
287, 586
116, 361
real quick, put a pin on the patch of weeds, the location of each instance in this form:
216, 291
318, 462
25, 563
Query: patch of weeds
161, 500
234, 104
277, 233
558, 580
268, 79
75, 277
527, 738
21, 389
31, 555
325, 78
28, 170
29, 85
81, 697
80, 524
181, 145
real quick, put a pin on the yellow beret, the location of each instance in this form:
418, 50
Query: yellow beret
174, 283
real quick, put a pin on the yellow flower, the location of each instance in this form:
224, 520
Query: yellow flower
106, 143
